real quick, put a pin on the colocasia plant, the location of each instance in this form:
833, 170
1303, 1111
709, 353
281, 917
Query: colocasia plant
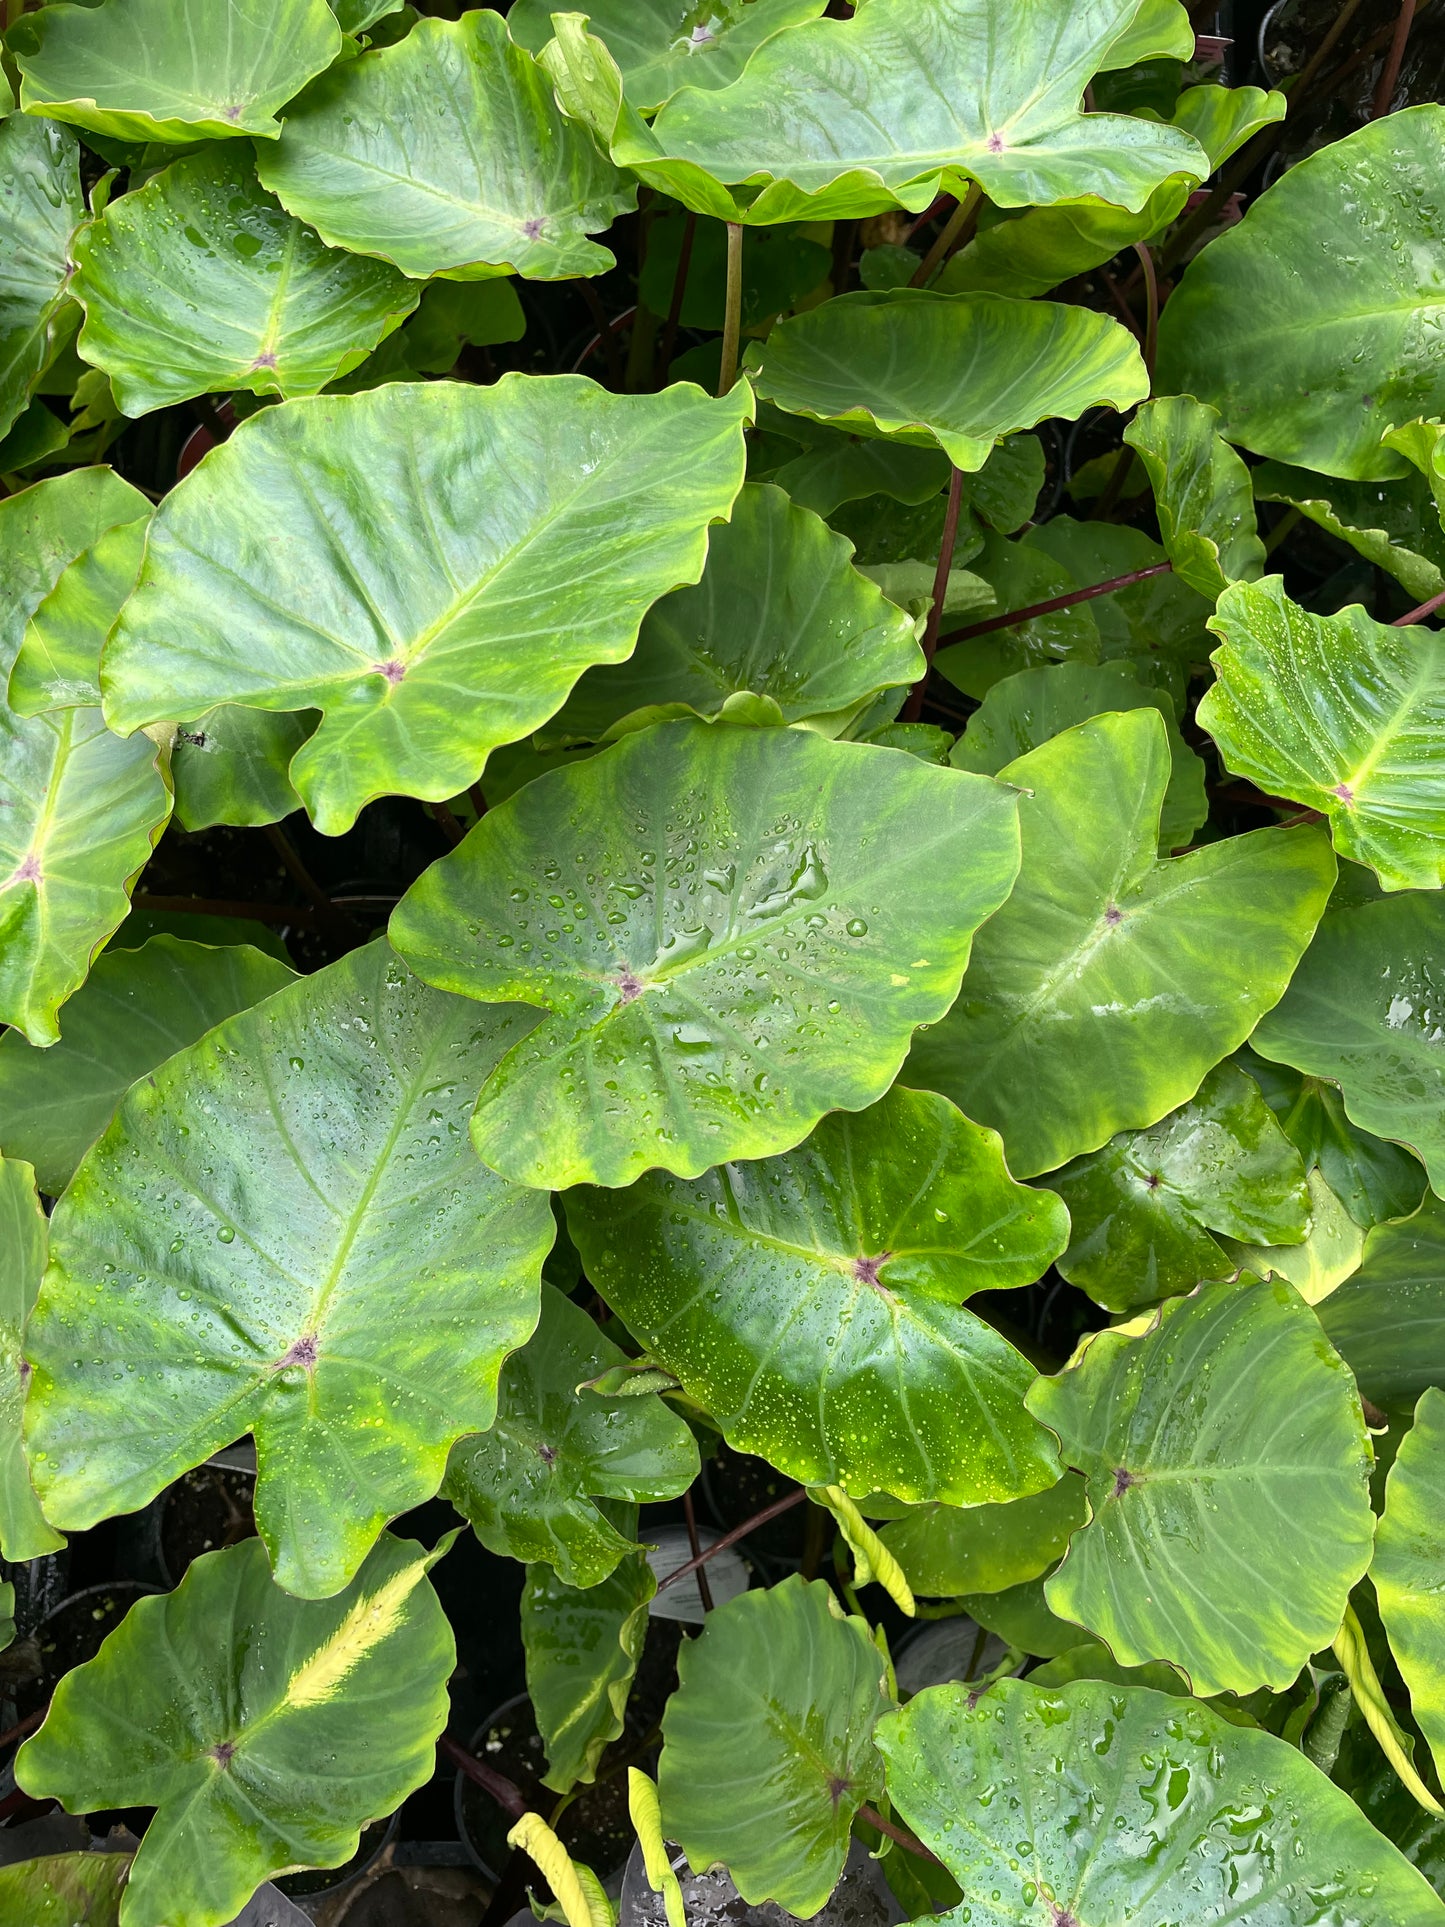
722, 818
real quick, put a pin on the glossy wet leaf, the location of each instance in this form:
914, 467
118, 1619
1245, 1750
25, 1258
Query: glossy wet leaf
284, 1231
1312, 326
528, 1485
1393, 524
732, 950
410, 596
355, 16
1143, 1207
1020, 576
768, 1742
1409, 1557
582, 1650
446, 154
233, 765
1228, 1471
889, 109
1330, 1252
946, 1550
811, 1304
58, 663
1110, 982
953, 371
24, 1533
201, 283
779, 612
1373, 1178
40, 206
65, 1889
173, 70
1341, 714
662, 45
1388, 1320
1362, 1011
1201, 491
224, 1736
1027, 709
1135, 1809
136, 1009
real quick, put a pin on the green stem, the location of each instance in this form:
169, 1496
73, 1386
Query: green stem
732, 326
956, 230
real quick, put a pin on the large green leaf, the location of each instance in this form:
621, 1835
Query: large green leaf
812, 1303
137, 1008
58, 663
1340, 713
40, 205
1372, 1178
946, 1550
662, 45
65, 1890
42, 531
265, 1730
427, 605
1393, 523
1312, 325
768, 1742
202, 283
779, 612
1228, 1472
446, 154
1142, 1208
528, 1485
1363, 1010
172, 70
582, 1648
1329, 1253
1388, 1320
1409, 1560
24, 1533
1025, 710
1110, 982
889, 109
718, 925
232, 765
284, 1231
1202, 493
1118, 1804
953, 371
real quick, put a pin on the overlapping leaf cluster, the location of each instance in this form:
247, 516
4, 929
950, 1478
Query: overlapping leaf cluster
854, 921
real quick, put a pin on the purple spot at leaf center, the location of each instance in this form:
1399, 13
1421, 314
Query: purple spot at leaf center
1122, 1481
1153, 1180
223, 1752
303, 1352
393, 671
1344, 792
701, 35
533, 229
1063, 1918
629, 988
995, 143
836, 1789
547, 1454
29, 871
866, 1270
1113, 915
264, 360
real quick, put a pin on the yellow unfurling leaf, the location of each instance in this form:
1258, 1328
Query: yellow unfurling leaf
871, 1558
646, 1814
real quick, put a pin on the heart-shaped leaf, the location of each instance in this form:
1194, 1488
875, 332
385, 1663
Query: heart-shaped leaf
284, 1231
225, 1736
812, 1303
953, 371
446, 154
173, 70
40, 205
718, 925
1392, 524
24, 1533
65, 1889
779, 612
136, 1009
527, 1485
1388, 1320
1110, 982
201, 283
1409, 1554
1025, 710
1342, 714
1202, 493
410, 584
1374, 1179
1362, 1010
946, 1550
890, 109
775, 1712
1312, 325
1119, 1804
1142, 1208
1228, 1472
582, 1650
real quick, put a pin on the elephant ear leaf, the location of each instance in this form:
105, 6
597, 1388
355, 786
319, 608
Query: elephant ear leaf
1202, 493
529, 1484
582, 1647
716, 922
1342, 714
415, 578
347, 1293
40, 207
1142, 1764
1252, 1532
1394, 524
1409, 1551
777, 1700
860, 1245
65, 1889
173, 70
223, 1736
24, 1533
1388, 1320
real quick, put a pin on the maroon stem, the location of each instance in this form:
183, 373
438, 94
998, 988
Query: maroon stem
769, 1512
1390, 72
704, 1589
1011, 616
446, 816
614, 327
913, 708
1419, 615
22, 1727
496, 1785
606, 332
679, 291
904, 1839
